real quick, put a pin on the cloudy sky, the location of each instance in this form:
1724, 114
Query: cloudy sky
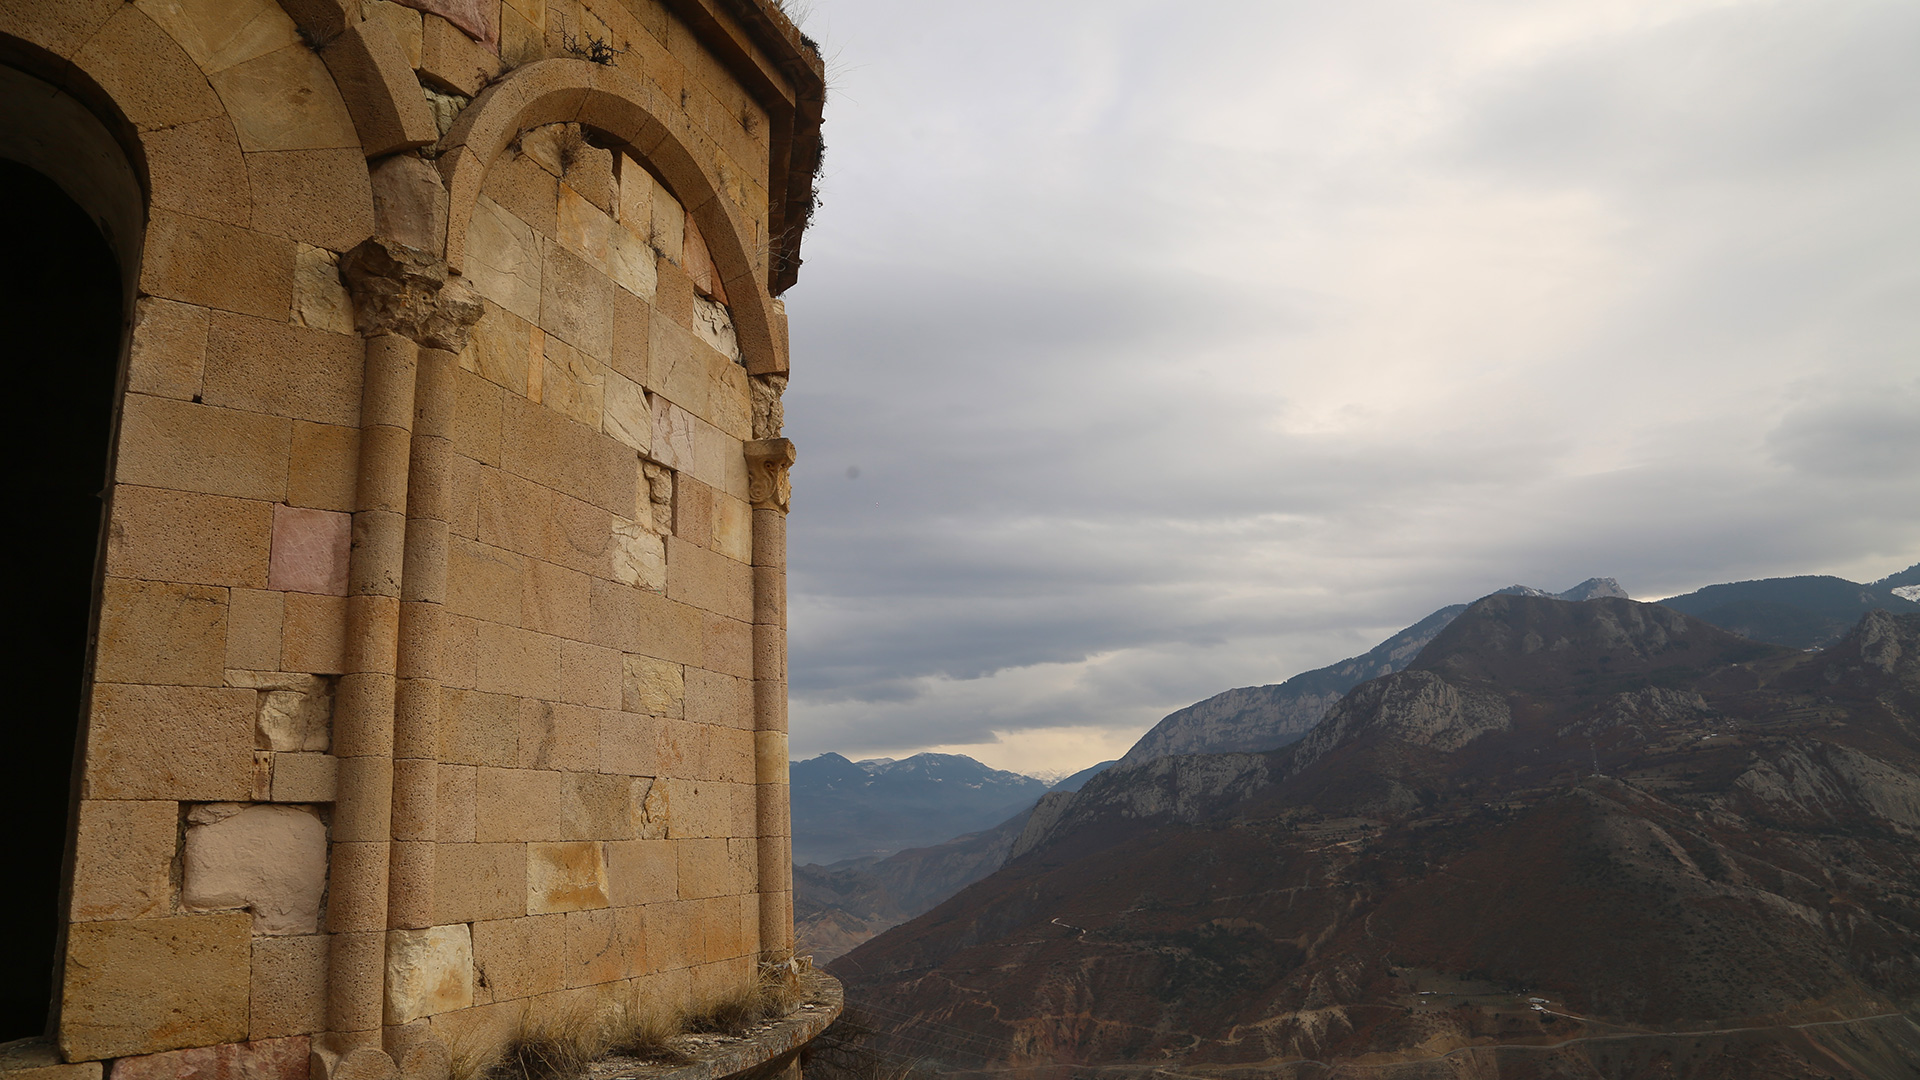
1145, 349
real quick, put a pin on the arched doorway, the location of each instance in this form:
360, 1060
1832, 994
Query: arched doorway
63, 318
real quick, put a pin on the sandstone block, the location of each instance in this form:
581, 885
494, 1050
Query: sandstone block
576, 301
315, 634
321, 197
627, 744
732, 525
59, 29
590, 675
713, 327
169, 350
305, 778
693, 512
613, 475
572, 383
583, 228
277, 368
453, 807
503, 259
289, 993
218, 266
517, 805
631, 263
639, 556
719, 459
484, 582
521, 957
500, 350
253, 628
125, 857
719, 700
632, 327
474, 882
285, 100
669, 223
477, 408
711, 582
268, 1059
579, 536
597, 806
666, 629
190, 447
649, 802
169, 742
149, 77
148, 985
197, 169
218, 34
161, 633
479, 728
324, 466
428, 972
296, 709
654, 687
642, 872
518, 183
518, 662
557, 736
271, 860
452, 60
570, 876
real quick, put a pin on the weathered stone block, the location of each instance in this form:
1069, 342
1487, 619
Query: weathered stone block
268, 1059
428, 972
189, 447
454, 61
296, 709
654, 687
722, 701
197, 169
590, 675
517, 805
627, 415
569, 876
221, 33
37, 1059
148, 985
146, 74
271, 860
627, 746
642, 872
519, 958
576, 301
305, 778
501, 348
169, 349
732, 528
473, 882
124, 859
639, 556
503, 259
711, 582
169, 742
320, 299
557, 736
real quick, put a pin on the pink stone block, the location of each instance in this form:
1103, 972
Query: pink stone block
268, 1059
310, 550
475, 17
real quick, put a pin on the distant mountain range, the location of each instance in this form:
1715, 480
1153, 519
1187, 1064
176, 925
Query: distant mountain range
853, 809
1602, 839
884, 825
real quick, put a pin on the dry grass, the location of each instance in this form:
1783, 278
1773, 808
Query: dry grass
560, 1041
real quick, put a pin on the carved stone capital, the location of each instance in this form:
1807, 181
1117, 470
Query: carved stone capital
405, 291
768, 460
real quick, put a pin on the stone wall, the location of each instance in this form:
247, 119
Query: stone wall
440, 664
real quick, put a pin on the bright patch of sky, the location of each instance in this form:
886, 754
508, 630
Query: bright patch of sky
1147, 349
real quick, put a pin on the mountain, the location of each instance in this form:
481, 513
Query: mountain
1079, 779
1267, 717
1599, 839
846, 809
1802, 612
1905, 584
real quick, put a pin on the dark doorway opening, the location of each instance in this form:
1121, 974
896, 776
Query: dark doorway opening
61, 322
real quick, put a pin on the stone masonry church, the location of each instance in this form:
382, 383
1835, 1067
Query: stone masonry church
397, 407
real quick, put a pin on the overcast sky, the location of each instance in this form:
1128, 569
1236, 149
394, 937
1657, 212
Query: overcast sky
1147, 349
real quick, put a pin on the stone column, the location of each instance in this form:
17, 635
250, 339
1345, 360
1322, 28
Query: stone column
381, 871
769, 490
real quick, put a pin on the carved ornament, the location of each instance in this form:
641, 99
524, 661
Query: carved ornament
768, 487
401, 290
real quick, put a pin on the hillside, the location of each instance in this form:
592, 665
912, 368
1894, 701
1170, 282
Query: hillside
1253, 718
1563, 834
1809, 612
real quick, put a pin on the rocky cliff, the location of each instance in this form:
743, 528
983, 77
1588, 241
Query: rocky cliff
1595, 840
1255, 718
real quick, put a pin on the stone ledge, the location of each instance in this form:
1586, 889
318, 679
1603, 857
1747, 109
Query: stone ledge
764, 1050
